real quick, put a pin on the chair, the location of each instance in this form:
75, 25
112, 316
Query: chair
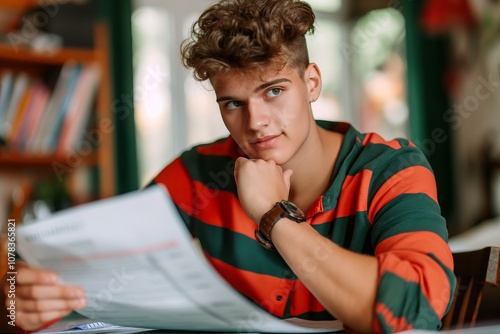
473, 269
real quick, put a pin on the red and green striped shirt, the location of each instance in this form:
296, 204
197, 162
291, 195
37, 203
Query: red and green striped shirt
382, 201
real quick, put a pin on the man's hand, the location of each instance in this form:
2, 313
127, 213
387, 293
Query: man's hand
260, 185
39, 298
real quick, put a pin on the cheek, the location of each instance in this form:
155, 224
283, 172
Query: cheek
233, 125
295, 115
228, 120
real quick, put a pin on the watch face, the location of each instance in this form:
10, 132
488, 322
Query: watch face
293, 211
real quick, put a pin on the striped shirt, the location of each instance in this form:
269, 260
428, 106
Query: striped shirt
382, 201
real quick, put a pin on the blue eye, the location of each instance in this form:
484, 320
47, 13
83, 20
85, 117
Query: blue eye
274, 92
233, 104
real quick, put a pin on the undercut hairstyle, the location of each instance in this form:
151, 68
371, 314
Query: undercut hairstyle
249, 35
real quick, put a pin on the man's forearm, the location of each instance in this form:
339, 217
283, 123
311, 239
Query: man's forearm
343, 281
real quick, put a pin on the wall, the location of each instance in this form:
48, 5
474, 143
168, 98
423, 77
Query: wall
475, 119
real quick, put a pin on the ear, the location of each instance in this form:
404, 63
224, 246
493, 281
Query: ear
312, 78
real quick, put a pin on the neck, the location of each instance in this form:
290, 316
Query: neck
313, 166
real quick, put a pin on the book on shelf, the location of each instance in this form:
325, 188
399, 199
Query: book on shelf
50, 112
50, 143
20, 113
37, 120
6, 83
32, 116
79, 112
20, 85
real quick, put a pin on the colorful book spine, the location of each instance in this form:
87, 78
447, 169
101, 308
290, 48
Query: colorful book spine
80, 109
20, 115
29, 119
37, 118
21, 84
43, 131
50, 143
6, 83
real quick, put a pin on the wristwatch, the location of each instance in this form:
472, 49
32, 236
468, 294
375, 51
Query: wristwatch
280, 209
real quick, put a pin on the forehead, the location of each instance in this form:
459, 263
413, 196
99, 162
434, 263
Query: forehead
252, 77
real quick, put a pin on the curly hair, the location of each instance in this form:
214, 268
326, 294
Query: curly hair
249, 34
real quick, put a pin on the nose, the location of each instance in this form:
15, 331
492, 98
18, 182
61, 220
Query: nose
258, 117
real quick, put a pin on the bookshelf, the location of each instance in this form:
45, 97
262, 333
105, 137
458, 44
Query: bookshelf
30, 57
28, 165
36, 63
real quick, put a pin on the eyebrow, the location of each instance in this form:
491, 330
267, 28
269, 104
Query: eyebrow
259, 88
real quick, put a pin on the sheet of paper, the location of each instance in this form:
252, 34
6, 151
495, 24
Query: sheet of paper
91, 329
135, 259
76, 323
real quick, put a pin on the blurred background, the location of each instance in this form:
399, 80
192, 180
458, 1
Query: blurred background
94, 100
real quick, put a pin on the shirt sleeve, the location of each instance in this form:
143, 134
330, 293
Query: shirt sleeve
175, 178
409, 235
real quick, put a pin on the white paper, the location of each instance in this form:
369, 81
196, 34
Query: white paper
135, 259
76, 323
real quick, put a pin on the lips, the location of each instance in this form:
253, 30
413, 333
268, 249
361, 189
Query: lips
265, 142
264, 139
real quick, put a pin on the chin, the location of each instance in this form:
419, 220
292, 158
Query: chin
279, 156
278, 159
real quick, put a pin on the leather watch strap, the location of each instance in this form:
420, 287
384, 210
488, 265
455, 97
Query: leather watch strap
271, 217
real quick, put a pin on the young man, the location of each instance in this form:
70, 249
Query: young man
308, 219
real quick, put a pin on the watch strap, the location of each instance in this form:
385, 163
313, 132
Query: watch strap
271, 217
263, 232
